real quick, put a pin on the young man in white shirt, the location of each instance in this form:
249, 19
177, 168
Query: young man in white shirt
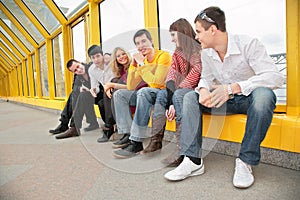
237, 77
101, 74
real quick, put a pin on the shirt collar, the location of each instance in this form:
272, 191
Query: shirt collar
232, 48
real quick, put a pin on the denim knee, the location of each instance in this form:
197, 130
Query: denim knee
263, 98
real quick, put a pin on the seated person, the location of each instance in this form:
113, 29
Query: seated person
151, 66
82, 100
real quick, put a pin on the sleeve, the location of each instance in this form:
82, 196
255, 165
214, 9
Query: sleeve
133, 78
157, 77
193, 77
94, 82
207, 77
170, 91
266, 72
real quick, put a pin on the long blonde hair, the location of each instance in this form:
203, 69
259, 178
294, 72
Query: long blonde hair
117, 67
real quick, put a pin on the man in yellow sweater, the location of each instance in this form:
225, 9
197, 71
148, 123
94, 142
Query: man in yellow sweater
151, 66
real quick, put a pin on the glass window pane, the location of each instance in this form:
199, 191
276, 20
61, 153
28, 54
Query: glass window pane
12, 41
59, 70
34, 74
79, 47
69, 7
271, 24
42, 12
119, 23
43, 70
22, 18
16, 31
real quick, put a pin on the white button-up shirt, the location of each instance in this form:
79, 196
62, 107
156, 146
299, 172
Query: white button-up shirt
246, 63
100, 76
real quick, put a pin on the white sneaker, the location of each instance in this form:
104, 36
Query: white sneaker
185, 169
243, 177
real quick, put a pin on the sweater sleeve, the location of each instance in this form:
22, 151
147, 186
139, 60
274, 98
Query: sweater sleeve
156, 78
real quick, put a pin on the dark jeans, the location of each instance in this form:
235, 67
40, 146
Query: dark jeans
66, 114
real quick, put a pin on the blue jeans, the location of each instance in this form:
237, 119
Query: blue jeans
161, 102
259, 107
123, 99
145, 100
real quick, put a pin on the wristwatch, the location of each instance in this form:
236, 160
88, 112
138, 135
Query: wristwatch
230, 94
141, 64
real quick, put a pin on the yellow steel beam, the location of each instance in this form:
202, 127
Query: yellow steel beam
49, 56
14, 37
78, 14
18, 25
151, 20
19, 69
25, 86
13, 48
32, 18
56, 11
13, 56
5, 65
293, 56
7, 58
94, 26
66, 35
30, 77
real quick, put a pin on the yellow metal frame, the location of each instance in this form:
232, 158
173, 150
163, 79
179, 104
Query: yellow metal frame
151, 20
18, 25
32, 18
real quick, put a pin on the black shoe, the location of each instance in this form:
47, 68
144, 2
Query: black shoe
91, 127
123, 142
106, 135
131, 150
59, 129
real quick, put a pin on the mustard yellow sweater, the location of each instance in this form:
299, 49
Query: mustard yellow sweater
153, 72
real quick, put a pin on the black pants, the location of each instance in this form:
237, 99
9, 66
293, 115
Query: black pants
104, 105
66, 114
83, 104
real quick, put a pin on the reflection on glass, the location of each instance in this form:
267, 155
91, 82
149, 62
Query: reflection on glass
43, 70
119, 23
34, 74
22, 18
59, 69
11, 40
69, 7
16, 31
42, 12
78, 36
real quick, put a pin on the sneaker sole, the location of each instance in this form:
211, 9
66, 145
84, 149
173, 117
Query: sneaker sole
115, 146
194, 173
123, 157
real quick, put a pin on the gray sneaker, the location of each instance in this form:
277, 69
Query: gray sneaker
131, 150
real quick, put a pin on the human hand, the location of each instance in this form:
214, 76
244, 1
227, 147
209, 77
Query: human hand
138, 58
170, 114
219, 95
93, 92
205, 97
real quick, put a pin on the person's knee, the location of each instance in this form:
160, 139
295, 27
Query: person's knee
263, 98
190, 98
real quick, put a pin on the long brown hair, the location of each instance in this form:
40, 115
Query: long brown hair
117, 67
186, 39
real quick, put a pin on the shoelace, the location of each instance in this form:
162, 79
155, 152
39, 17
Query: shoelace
243, 168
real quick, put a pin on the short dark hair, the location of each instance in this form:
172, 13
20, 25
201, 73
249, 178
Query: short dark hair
142, 32
94, 49
214, 13
70, 63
